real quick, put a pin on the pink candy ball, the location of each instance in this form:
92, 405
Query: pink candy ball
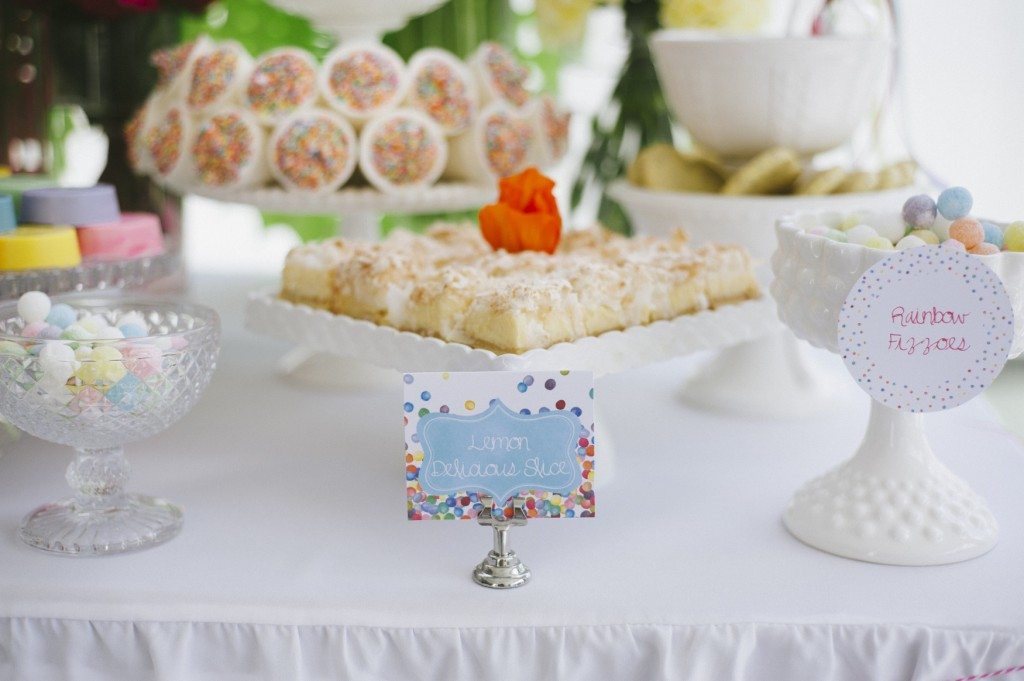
967, 231
955, 245
985, 248
32, 330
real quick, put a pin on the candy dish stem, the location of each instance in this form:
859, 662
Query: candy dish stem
893, 502
772, 376
101, 518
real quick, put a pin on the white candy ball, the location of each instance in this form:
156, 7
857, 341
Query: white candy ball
860, 234
34, 306
93, 323
109, 333
910, 241
889, 225
132, 318
941, 227
58, 361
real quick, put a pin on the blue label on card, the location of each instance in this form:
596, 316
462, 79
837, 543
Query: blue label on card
499, 452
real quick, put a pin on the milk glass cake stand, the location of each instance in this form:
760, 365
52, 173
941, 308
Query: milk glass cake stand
893, 502
101, 518
774, 375
611, 352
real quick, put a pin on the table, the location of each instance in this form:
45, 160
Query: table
296, 561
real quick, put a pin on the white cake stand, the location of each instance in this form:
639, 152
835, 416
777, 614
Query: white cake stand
772, 376
358, 19
383, 346
893, 502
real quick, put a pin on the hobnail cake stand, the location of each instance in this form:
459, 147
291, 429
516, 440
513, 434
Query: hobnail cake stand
739, 379
893, 502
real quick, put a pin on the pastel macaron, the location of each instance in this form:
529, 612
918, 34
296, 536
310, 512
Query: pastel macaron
32, 247
70, 205
8, 221
134, 235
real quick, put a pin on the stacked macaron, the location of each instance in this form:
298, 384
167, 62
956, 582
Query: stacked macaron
220, 118
59, 227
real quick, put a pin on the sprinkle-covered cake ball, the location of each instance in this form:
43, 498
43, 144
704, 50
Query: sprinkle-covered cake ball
498, 145
219, 77
550, 130
228, 150
313, 150
500, 75
168, 141
136, 131
955, 202
919, 211
402, 150
174, 64
441, 87
967, 231
282, 81
362, 79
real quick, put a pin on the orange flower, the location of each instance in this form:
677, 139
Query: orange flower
526, 216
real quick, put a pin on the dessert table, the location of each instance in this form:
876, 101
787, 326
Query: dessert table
296, 560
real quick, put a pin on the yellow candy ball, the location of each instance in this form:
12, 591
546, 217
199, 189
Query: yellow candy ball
111, 372
850, 221
879, 242
1013, 236
88, 372
927, 236
106, 352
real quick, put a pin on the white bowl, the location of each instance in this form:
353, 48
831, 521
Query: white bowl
813, 276
740, 95
746, 220
352, 19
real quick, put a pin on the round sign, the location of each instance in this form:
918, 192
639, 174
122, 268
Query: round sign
926, 329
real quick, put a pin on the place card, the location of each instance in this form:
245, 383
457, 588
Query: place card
503, 434
926, 329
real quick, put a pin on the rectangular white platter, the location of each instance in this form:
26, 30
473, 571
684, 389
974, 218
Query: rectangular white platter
611, 352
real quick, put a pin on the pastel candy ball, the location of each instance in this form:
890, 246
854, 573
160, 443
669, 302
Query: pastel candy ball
58, 361
821, 230
955, 245
889, 225
76, 332
910, 241
836, 235
993, 234
849, 221
1013, 237
33, 330
984, 248
941, 227
955, 202
51, 332
93, 324
11, 348
106, 352
879, 242
919, 211
132, 318
927, 236
967, 231
61, 315
132, 330
34, 306
860, 234
109, 333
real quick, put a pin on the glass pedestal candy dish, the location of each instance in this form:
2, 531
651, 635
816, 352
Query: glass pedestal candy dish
893, 502
96, 395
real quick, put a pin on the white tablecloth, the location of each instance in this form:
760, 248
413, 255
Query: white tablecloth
296, 561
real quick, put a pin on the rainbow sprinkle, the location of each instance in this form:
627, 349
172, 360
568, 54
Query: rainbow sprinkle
212, 76
224, 144
555, 126
506, 143
404, 152
312, 152
364, 81
280, 83
170, 62
165, 141
132, 130
439, 91
507, 75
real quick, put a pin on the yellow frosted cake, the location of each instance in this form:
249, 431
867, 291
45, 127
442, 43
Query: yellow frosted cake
448, 283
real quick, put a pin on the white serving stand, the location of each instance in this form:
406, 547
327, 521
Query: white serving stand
893, 502
358, 19
615, 351
774, 376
